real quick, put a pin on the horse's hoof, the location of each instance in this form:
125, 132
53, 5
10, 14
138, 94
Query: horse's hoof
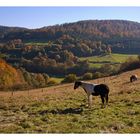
102, 106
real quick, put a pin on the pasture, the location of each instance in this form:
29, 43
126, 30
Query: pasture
113, 59
36, 43
61, 109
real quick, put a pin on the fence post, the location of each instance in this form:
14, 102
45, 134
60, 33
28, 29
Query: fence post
28, 91
12, 93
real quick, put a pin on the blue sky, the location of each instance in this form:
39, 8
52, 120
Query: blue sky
36, 17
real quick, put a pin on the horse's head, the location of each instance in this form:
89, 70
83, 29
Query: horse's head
77, 84
133, 78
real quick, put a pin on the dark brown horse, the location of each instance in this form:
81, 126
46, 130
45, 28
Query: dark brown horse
133, 78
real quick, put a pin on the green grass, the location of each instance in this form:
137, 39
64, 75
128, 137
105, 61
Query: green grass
61, 109
67, 113
57, 79
114, 59
72, 116
37, 43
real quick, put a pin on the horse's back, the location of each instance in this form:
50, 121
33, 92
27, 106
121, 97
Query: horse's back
101, 89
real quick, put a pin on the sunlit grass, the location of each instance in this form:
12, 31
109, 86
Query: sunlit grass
37, 43
67, 113
61, 109
114, 59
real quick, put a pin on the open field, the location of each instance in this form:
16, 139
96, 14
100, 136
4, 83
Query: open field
37, 43
61, 109
114, 59
57, 79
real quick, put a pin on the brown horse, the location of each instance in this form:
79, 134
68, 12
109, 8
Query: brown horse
133, 78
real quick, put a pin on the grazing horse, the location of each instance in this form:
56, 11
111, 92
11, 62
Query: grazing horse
94, 90
133, 78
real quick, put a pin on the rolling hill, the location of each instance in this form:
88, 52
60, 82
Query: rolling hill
122, 35
59, 50
61, 109
93, 28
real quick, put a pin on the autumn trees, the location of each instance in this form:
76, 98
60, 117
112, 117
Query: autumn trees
55, 50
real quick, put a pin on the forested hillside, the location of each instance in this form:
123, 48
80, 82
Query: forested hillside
9, 76
91, 36
59, 50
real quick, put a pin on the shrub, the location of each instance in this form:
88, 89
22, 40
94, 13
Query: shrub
46, 77
97, 75
70, 78
87, 76
130, 64
52, 81
19, 86
138, 57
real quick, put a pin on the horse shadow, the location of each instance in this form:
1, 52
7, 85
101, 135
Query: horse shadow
63, 111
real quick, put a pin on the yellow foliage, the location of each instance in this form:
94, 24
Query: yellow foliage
9, 76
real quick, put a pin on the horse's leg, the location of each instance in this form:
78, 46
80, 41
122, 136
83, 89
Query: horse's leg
102, 97
89, 101
106, 97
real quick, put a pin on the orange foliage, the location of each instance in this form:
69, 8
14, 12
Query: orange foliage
9, 76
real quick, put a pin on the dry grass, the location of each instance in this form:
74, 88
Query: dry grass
60, 109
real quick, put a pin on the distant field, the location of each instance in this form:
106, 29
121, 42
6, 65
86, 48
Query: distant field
37, 43
61, 109
57, 79
98, 61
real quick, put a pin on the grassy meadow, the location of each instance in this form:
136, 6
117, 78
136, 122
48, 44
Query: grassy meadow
61, 109
36, 43
113, 59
